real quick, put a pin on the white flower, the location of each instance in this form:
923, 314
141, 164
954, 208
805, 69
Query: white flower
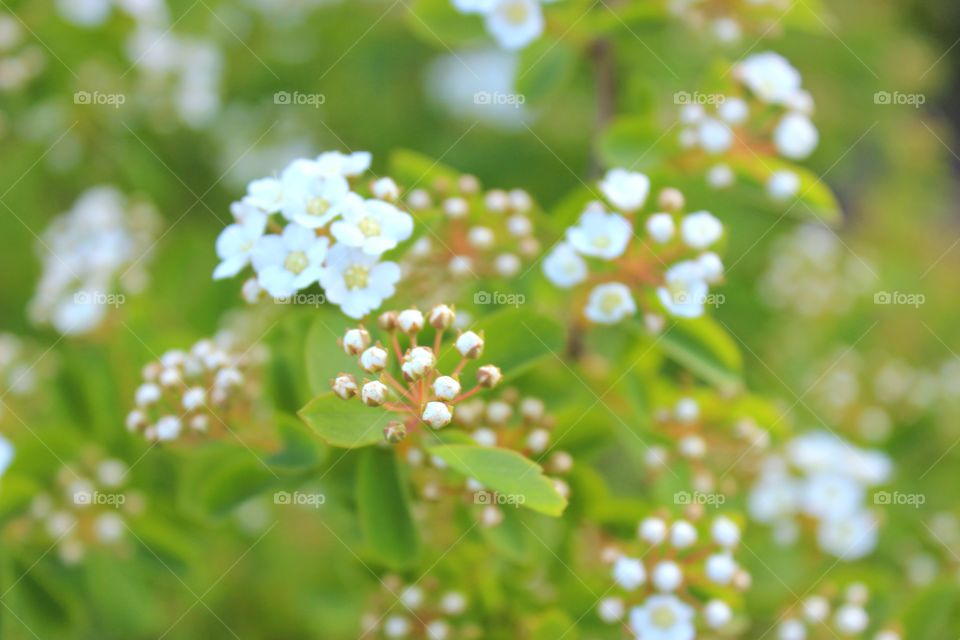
831, 496
265, 194
610, 610
733, 110
770, 77
385, 189
289, 262
446, 388
564, 267
663, 617
372, 225
626, 190
629, 573
848, 538
311, 198
682, 534
725, 532
720, 176
686, 410
168, 428
711, 266
437, 414
396, 627
851, 619
653, 530
660, 227
717, 614
791, 629
700, 229
610, 303
515, 23
194, 398
795, 136
373, 359
146, 394
473, 6
334, 163
356, 281
667, 576
715, 135
235, 244
469, 344
601, 235
783, 185
6, 455
685, 291
373, 393
721, 567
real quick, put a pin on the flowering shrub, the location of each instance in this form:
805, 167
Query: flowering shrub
635, 321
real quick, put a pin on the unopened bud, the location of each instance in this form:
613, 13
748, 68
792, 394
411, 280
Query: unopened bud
446, 388
437, 414
374, 359
442, 317
394, 432
344, 386
410, 321
671, 199
470, 345
489, 376
355, 341
561, 462
417, 362
490, 516
374, 393
388, 320
468, 184
385, 189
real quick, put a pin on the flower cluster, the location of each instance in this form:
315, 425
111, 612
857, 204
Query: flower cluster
831, 615
813, 273
479, 233
770, 115
18, 64
194, 392
712, 450
823, 480
673, 259
664, 584
513, 23
22, 368
421, 395
418, 612
329, 234
92, 255
727, 20
86, 510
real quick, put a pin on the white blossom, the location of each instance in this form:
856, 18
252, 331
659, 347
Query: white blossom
374, 226
564, 267
610, 303
356, 281
600, 234
626, 190
795, 136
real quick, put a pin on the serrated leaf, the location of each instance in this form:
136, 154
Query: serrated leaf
344, 423
505, 472
383, 505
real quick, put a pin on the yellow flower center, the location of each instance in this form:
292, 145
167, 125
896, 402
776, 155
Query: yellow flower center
296, 262
317, 206
678, 291
601, 242
663, 617
369, 227
516, 13
356, 276
610, 302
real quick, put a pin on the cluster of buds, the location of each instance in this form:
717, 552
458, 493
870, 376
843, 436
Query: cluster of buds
664, 580
672, 262
194, 391
22, 369
89, 507
726, 21
418, 612
472, 233
704, 443
767, 113
418, 393
832, 615
510, 421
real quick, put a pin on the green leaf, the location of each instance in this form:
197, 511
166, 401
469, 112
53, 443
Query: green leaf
325, 357
553, 624
383, 505
815, 199
635, 142
300, 449
411, 169
704, 348
506, 472
543, 67
515, 340
220, 479
344, 423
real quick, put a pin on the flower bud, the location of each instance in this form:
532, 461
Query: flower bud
561, 462
671, 199
437, 414
355, 341
468, 184
374, 393
385, 189
538, 440
410, 321
373, 359
491, 516
194, 398
489, 376
388, 320
394, 432
455, 207
442, 317
446, 388
470, 345
417, 362
532, 409
496, 201
345, 386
